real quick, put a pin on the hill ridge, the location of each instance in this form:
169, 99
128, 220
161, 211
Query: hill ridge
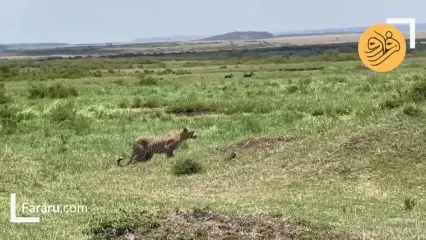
240, 35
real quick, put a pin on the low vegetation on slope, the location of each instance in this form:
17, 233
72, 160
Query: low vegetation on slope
206, 224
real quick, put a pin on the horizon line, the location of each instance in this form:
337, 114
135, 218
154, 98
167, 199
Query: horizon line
134, 41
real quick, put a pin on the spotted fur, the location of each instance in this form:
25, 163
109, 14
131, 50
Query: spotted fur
145, 147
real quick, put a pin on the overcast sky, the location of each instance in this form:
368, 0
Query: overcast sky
90, 21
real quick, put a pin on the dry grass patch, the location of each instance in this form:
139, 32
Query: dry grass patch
206, 224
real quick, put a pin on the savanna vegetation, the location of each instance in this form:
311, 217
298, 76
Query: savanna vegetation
322, 147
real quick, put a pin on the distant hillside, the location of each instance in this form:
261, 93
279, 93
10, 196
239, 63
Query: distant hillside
25, 46
182, 38
402, 27
247, 35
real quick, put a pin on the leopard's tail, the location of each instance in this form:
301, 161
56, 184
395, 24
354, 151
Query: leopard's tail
132, 158
120, 159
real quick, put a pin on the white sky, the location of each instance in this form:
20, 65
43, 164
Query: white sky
89, 21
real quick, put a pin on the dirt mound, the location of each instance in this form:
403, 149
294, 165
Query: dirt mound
356, 146
205, 224
259, 143
184, 111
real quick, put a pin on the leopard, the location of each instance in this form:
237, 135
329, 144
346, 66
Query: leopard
144, 147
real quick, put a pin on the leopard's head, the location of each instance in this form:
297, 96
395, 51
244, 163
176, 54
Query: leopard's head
188, 133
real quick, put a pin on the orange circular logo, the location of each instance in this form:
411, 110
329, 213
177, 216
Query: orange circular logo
382, 47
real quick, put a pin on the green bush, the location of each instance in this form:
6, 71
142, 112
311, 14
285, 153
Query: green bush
181, 72
9, 119
186, 167
292, 88
137, 102
152, 103
65, 116
390, 104
97, 73
418, 92
250, 74
343, 110
124, 103
165, 71
119, 82
4, 69
4, 98
317, 112
145, 80
229, 75
412, 110
55, 91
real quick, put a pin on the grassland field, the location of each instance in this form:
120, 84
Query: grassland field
348, 154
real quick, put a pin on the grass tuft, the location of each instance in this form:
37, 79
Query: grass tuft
186, 167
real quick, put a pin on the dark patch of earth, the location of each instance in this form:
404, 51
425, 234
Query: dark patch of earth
187, 111
301, 69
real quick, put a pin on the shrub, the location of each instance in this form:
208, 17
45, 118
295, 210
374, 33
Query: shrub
124, 103
4, 98
390, 104
152, 103
251, 125
409, 203
56, 91
292, 88
182, 72
119, 82
186, 167
137, 102
97, 73
9, 119
343, 110
39, 91
65, 115
418, 92
5, 69
250, 74
412, 110
317, 112
147, 80
165, 71
62, 111
229, 75
117, 223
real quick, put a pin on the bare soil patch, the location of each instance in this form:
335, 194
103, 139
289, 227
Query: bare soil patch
188, 111
361, 141
205, 224
259, 143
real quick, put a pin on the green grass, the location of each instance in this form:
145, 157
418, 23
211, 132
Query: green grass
359, 157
